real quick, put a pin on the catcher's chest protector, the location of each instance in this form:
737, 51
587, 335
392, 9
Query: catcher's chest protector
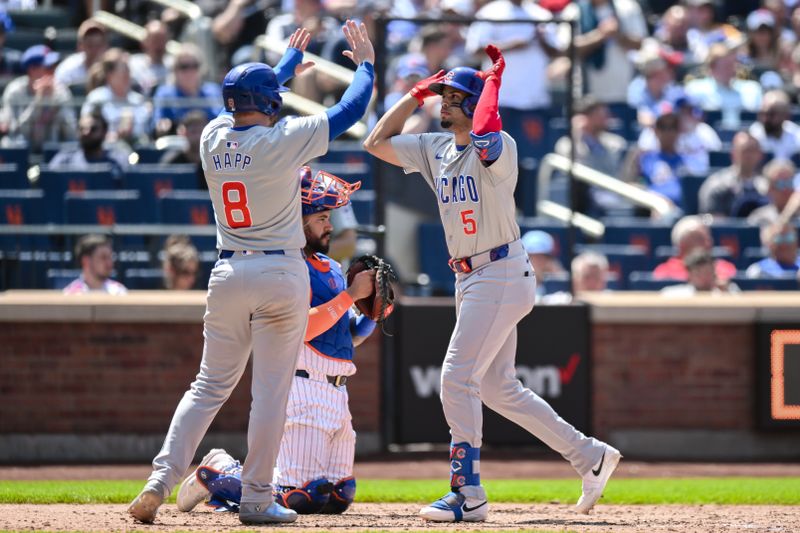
327, 281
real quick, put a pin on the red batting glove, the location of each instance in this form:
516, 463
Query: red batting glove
498, 63
421, 90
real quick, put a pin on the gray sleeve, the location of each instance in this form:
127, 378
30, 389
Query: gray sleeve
710, 196
414, 151
308, 137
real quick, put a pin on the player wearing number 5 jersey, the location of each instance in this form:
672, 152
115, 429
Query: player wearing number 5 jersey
473, 172
257, 292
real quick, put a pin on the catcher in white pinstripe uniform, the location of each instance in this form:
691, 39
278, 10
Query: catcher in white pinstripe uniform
314, 472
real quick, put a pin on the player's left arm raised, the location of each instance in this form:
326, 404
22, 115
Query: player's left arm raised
486, 123
291, 64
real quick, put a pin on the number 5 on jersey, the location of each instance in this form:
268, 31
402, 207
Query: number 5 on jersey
234, 196
470, 224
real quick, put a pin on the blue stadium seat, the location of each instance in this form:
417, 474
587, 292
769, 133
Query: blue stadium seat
350, 172
433, 257
56, 182
622, 259
344, 152
129, 258
736, 236
102, 207
12, 176
663, 253
690, 189
142, 279
185, 207
51, 148
152, 179
58, 278
149, 154
637, 231
788, 283
626, 116
643, 281
28, 269
188, 207
752, 255
364, 206
17, 207
553, 283
18, 156
720, 159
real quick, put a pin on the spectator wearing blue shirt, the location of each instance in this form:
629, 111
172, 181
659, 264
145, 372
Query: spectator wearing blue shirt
660, 170
655, 85
186, 92
783, 259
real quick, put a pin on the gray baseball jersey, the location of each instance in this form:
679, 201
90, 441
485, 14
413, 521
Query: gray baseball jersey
252, 179
476, 203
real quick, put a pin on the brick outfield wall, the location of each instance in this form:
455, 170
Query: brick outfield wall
651, 383
675, 376
95, 378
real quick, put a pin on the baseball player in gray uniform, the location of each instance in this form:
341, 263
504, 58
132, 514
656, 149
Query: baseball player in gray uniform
473, 171
258, 291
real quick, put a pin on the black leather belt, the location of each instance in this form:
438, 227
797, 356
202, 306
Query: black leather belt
336, 381
227, 254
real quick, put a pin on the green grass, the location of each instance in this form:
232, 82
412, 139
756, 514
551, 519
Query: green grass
730, 490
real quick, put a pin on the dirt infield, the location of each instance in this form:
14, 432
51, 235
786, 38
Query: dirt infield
398, 517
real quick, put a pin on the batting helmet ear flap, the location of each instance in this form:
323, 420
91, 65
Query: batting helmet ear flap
468, 105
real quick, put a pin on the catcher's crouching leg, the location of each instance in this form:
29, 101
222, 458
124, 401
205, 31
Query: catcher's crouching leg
342, 496
194, 488
308, 499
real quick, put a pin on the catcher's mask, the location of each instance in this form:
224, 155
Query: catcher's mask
324, 191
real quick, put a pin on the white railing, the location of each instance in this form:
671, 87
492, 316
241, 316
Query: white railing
128, 28
659, 205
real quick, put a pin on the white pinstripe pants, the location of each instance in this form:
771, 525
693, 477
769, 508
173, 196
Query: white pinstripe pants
318, 439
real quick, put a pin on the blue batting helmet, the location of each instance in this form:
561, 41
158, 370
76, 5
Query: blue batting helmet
464, 79
324, 191
252, 87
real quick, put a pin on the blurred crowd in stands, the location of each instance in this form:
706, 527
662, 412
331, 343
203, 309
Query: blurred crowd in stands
696, 101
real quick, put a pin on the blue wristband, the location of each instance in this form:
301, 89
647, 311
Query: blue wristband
284, 70
363, 327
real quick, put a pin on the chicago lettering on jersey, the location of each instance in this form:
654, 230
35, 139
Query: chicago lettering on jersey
228, 161
456, 189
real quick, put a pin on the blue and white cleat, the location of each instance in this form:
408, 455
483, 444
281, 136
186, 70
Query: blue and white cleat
596, 479
467, 504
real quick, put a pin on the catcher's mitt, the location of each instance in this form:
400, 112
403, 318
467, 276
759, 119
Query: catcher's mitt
380, 304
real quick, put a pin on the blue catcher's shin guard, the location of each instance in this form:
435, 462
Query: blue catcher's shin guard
308, 499
225, 486
465, 465
342, 496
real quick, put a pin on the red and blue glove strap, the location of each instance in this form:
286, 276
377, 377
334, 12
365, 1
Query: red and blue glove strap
464, 465
486, 124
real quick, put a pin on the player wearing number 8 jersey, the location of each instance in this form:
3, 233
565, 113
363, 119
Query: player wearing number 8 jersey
257, 292
473, 172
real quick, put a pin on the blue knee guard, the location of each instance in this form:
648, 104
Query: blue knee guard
308, 499
224, 485
464, 465
342, 496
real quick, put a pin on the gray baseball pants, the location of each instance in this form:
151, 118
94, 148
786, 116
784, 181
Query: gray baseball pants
479, 365
255, 302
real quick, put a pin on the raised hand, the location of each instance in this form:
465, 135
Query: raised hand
422, 90
299, 41
360, 46
498, 63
